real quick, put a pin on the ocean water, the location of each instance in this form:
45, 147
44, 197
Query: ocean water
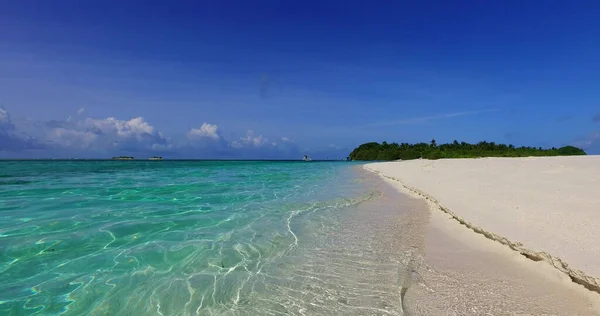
193, 238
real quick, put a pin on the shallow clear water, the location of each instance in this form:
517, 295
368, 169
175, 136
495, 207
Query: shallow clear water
187, 238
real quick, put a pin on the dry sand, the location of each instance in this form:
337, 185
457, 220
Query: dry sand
442, 267
545, 208
458, 272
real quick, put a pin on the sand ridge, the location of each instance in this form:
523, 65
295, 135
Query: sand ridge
544, 208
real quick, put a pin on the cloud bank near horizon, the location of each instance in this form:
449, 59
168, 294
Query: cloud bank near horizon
81, 136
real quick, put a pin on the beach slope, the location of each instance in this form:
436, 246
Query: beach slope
547, 208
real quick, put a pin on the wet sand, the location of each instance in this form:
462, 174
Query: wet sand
386, 253
468, 274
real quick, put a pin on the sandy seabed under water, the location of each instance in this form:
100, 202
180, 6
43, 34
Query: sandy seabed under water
392, 255
363, 248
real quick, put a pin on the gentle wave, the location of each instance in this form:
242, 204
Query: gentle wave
168, 237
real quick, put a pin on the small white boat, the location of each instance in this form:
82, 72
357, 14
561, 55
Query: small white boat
306, 158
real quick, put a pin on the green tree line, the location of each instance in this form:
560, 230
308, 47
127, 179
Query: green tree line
405, 151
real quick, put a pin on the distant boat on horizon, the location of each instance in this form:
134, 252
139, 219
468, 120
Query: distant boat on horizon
306, 158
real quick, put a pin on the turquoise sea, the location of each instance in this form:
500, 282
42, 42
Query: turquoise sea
189, 238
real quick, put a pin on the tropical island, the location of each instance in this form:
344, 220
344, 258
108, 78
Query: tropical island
123, 158
405, 151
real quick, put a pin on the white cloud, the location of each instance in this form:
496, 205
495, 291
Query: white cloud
135, 127
98, 134
6, 123
4, 117
250, 141
10, 139
80, 111
70, 138
94, 137
205, 131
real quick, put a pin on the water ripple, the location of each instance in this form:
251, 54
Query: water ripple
175, 238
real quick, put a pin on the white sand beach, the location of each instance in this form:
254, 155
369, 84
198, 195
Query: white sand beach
547, 208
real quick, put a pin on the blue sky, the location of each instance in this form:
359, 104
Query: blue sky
278, 79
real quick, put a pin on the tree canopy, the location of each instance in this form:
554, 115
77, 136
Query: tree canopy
405, 151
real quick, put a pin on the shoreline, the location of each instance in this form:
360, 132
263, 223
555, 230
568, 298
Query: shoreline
463, 264
405, 175
448, 270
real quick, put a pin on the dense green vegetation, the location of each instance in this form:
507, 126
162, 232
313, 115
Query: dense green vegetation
404, 151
